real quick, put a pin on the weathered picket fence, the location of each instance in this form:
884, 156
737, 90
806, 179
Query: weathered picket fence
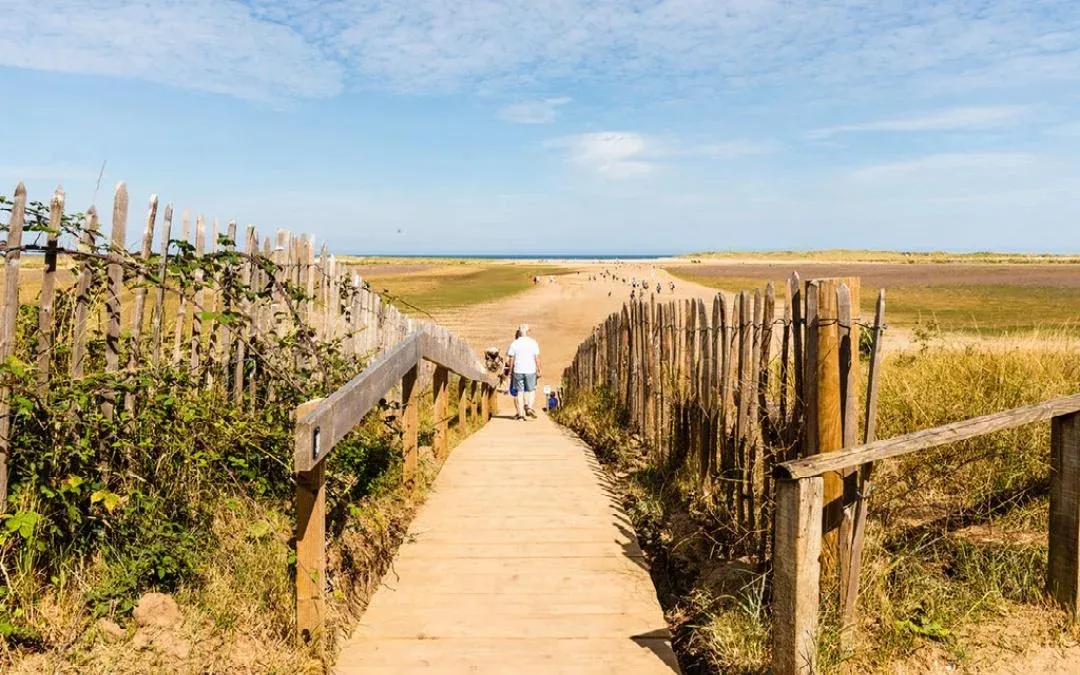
200, 302
734, 389
737, 392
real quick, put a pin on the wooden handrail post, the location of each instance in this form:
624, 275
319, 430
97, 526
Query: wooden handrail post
472, 401
462, 404
438, 387
493, 401
1063, 568
485, 399
796, 575
409, 426
310, 552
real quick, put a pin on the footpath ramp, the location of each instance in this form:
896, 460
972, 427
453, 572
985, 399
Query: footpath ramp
520, 561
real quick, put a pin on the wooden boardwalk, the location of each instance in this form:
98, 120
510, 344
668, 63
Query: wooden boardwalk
521, 561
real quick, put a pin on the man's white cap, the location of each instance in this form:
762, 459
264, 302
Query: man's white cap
524, 328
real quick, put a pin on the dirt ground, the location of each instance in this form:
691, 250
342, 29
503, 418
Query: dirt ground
891, 275
561, 313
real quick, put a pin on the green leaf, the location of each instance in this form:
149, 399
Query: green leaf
259, 529
109, 500
22, 522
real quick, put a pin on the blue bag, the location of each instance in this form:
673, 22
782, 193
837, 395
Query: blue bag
513, 387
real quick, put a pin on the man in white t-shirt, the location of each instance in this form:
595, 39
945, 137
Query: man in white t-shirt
524, 356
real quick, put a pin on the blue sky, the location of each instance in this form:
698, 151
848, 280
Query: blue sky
423, 126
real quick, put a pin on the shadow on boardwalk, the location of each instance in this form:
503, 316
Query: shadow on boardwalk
521, 559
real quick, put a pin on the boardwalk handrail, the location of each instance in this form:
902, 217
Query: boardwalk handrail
322, 427
323, 423
800, 502
849, 458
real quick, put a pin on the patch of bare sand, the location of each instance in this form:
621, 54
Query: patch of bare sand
561, 313
1024, 639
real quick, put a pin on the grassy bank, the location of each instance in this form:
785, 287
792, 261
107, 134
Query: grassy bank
934, 301
450, 286
955, 556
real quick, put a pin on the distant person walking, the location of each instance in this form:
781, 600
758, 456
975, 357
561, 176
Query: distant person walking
524, 356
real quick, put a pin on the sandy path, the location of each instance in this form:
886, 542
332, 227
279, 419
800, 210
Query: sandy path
560, 314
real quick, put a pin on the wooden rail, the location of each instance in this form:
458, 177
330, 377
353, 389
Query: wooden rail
323, 423
800, 502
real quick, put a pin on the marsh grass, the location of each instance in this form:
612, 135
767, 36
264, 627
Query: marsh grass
458, 286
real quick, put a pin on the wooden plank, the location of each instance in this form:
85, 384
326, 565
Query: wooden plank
157, 317
139, 306
850, 426
225, 333
310, 549
319, 430
929, 438
440, 380
862, 497
798, 332
870, 419
1063, 567
796, 574
809, 393
451, 355
178, 334
115, 290
462, 405
198, 303
409, 424
87, 246
744, 395
247, 280
9, 315
46, 308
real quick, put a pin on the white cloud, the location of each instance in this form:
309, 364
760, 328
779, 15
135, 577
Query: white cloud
622, 154
969, 118
534, 112
310, 48
615, 154
210, 45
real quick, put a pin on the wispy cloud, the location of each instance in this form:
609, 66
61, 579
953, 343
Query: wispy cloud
945, 162
970, 118
312, 48
623, 154
534, 112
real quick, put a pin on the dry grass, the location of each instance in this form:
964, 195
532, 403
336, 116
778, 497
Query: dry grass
955, 559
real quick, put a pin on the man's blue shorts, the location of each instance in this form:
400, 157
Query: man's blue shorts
525, 381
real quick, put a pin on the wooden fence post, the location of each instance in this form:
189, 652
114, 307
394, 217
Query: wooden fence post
472, 401
48, 294
409, 423
310, 551
493, 402
1063, 569
9, 314
439, 393
116, 288
462, 404
796, 572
